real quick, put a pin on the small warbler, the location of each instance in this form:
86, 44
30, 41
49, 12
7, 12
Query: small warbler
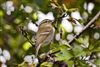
44, 34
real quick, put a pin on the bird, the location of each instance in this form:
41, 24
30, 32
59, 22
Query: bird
44, 35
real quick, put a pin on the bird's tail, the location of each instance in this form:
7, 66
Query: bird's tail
37, 49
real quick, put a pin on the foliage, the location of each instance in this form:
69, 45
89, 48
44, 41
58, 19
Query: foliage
83, 52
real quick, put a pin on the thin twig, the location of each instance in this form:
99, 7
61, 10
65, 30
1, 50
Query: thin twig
87, 26
25, 34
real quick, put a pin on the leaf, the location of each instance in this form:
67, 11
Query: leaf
84, 41
78, 51
54, 50
70, 63
63, 31
97, 62
95, 47
82, 64
46, 64
23, 64
64, 54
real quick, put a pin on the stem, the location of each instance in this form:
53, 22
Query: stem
25, 34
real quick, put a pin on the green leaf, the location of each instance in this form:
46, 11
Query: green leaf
54, 50
64, 54
63, 32
70, 63
46, 64
84, 41
82, 63
78, 51
97, 62
95, 47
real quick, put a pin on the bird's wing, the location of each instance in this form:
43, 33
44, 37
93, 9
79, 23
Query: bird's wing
42, 34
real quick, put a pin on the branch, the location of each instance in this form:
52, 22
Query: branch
87, 26
25, 34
